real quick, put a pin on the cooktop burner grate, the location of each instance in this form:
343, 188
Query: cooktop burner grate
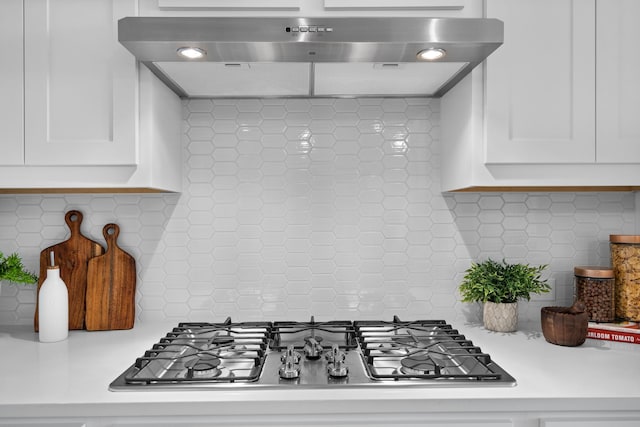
205, 352
299, 334
422, 349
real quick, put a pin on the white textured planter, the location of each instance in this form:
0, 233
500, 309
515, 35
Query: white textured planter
501, 317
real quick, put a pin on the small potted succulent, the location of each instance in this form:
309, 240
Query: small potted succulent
12, 270
499, 285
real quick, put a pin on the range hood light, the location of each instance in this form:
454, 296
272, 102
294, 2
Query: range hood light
431, 54
191, 52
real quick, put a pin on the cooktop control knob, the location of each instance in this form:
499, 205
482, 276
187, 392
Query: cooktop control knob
291, 354
290, 368
336, 366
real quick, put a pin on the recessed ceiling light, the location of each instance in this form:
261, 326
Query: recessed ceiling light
431, 54
191, 52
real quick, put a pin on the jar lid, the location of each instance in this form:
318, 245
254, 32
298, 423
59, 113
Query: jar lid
598, 272
624, 238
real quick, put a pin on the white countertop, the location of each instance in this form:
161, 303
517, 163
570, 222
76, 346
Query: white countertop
71, 378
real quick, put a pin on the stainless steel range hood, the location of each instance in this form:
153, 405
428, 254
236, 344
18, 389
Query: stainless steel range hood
303, 57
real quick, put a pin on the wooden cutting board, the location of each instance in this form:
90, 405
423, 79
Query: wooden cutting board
72, 256
111, 286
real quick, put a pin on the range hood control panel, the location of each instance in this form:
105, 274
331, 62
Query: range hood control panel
309, 29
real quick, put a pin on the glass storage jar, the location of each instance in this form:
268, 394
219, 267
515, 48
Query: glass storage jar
625, 258
595, 287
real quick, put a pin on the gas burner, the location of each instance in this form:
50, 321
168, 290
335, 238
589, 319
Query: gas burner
419, 364
312, 348
315, 337
204, 366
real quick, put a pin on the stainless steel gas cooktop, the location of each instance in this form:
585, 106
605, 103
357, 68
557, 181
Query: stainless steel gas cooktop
420, 353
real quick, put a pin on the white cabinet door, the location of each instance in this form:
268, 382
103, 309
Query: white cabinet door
433, 8
229, 4
393, 5
11, 83
312, 8
593, 421
80, 84
540, 84
618, 85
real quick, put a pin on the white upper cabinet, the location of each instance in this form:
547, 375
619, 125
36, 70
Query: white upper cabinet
80, 115
80, 84
540, 97
312, 8
229, 4
11, 83
393, 4
555, 107
567, 94
618, 88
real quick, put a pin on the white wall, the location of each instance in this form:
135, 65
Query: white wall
323, 207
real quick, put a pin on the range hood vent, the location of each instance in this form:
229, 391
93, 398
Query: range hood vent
306, 57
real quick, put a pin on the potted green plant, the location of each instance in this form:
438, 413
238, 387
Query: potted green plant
12, 270
499, 285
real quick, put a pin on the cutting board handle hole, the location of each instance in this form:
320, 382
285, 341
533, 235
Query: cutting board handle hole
110, 232
73, 217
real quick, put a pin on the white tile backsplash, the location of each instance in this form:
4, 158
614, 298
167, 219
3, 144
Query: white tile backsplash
325, 207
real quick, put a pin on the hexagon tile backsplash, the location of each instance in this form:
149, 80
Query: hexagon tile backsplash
325, 207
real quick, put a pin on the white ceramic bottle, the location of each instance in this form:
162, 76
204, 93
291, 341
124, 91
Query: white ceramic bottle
53, 307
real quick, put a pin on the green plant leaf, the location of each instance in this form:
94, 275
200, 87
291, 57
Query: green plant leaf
500, 282
12, 270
